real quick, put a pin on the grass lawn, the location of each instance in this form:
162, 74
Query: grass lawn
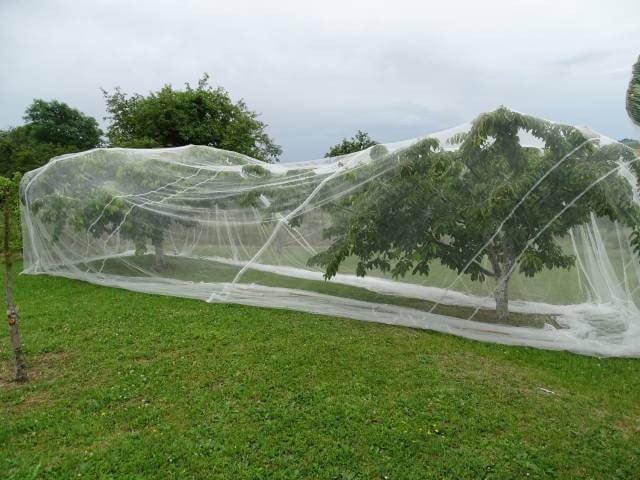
127, 385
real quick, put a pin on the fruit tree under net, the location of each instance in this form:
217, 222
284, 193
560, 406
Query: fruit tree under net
508, 229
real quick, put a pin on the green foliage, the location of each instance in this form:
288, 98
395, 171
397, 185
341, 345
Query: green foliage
198, 116
53, 128
256, 171
129, 385
358, 142
56, 123
446, 205
633, 94
9, 188
19, 152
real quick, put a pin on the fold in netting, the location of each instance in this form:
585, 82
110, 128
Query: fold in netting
214, 225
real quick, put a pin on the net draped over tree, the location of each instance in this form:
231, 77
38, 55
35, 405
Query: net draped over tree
508, 229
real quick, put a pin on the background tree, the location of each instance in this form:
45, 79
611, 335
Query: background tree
52, 128
56, 123
11, 245
633, 94
359, 141
631, 142
449, 205
198, 116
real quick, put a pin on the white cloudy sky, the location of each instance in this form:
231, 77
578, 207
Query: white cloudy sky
318, 71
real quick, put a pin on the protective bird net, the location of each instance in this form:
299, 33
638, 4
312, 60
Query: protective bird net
508, 229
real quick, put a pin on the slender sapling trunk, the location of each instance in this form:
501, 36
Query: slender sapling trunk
12, 313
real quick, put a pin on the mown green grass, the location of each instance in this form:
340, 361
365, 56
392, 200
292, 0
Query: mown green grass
127, 385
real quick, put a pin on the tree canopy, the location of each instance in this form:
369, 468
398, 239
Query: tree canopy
359, 141
481, 201
55, 122
52, 128
201, 116
633, 94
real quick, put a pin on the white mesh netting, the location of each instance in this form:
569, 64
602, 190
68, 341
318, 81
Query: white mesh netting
537, 217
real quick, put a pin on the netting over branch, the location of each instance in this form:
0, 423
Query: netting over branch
508, 229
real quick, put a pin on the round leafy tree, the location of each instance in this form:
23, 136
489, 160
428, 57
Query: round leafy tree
486, 206
199, 116
51, 129
358, 142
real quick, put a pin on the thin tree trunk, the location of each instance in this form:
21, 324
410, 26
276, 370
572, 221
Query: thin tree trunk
12, 313
502, 270
502, 299
159, 252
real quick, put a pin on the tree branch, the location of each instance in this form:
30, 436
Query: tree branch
486, 272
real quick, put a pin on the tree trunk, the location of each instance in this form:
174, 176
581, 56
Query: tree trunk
502, 299
159, 253
501, 265
12, 313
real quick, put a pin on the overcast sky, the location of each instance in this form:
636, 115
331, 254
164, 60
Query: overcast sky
318, 71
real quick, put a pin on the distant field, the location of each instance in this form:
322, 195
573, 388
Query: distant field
126, 385
196, 270
557, 286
